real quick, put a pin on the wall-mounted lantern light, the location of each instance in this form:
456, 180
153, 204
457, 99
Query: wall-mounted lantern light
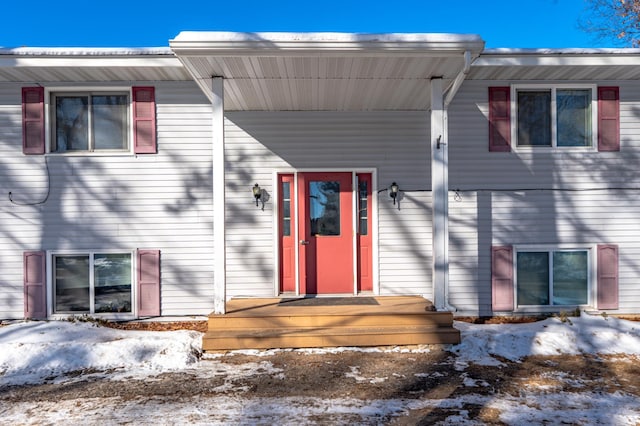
393, 192
257, 193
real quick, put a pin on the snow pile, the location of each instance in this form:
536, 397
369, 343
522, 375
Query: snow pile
31, 352
587, 334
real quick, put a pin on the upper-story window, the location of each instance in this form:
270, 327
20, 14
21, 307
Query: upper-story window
103, 121
89, 122
554, 117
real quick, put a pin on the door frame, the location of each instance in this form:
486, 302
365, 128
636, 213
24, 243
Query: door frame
354, 195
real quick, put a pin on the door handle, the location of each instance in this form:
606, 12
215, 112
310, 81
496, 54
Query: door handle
304, 242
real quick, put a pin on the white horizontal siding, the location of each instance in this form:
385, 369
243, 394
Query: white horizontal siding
395, 144
503, 212
126, 202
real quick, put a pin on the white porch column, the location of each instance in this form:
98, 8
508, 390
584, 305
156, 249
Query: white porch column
440, 196
219, 203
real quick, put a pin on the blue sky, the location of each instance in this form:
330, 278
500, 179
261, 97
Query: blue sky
140, 23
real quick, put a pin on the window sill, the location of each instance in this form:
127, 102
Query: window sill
554, 149
549, 308
91, 154
93, 317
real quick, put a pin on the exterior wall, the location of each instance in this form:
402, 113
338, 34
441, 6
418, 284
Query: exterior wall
158, 201
163, 201
506, 198
394, 143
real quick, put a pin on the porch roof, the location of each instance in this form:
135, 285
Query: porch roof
325, 71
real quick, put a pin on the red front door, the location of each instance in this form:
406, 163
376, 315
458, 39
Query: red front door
325, 211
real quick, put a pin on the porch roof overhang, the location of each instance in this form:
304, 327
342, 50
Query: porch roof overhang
325, 71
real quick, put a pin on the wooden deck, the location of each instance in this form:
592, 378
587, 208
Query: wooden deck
254, 323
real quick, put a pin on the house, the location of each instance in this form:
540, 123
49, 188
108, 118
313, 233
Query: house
167, 181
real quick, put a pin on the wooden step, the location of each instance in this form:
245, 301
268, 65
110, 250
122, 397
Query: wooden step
268, 323
327, 337
322, 318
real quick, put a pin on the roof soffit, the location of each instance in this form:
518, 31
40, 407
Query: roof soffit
282, 71
557, 64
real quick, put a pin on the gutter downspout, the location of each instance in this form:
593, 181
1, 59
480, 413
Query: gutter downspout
450, 93
462, 75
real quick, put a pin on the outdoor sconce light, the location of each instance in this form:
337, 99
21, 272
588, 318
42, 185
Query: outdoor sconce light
393, 192
257, 193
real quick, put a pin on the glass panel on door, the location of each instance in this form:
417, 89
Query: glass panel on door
324, 206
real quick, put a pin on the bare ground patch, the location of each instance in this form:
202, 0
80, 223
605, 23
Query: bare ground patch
365, 376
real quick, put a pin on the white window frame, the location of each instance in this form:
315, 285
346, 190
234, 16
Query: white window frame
50, 268
591, 250
553, 88
50, 92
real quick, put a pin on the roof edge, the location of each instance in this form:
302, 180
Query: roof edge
559, 57
273, 43
559, 52
84, 51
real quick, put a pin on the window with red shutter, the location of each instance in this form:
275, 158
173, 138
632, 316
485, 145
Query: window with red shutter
554, 116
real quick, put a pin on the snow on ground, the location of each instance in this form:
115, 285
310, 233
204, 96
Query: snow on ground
587, 334
34, 352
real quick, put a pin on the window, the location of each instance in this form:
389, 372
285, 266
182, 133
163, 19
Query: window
363, 200
92, 283
555, 117
286, 209
89, 122
324, 206
552, 277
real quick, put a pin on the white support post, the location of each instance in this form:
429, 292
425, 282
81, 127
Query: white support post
219, 207
440, 196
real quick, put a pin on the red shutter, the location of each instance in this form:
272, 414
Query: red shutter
502, 278
608, 119
607, 276
35, 285
148, 283
33, 120
499, 119
144, 120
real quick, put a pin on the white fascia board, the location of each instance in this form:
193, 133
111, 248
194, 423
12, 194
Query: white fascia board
85, 57
193, 43
101, 62
558, 57
84, 51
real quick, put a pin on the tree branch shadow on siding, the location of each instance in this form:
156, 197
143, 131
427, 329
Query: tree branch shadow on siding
250, 237
552, 198
263, 142
11, 292
533, 197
